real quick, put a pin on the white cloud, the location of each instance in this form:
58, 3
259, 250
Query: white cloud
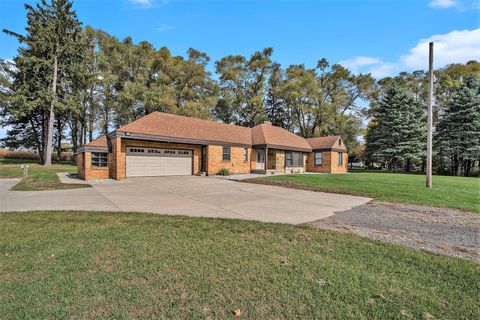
142, 3
458, 46
460, 5
453, 47
147, 4
358, 62
384, 69
164, 27
441, 4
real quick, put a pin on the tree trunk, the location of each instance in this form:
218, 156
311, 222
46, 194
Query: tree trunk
408, 165
106, 109
468, 168
73, 136
91, 117
51, 116
84, 123
59, 141
458, 166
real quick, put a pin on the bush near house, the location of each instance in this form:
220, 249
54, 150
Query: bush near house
224, 172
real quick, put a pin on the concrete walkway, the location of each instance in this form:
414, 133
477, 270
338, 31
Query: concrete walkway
69, 199
191, 196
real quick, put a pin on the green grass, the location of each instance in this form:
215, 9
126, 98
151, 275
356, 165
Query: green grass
129, 265
39, 177
450, 192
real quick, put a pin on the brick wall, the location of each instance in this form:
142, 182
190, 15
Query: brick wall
329, 164
87, 172
276, 159
117, 160
117, 164
80, 168
280, 160
235, 165
335, 167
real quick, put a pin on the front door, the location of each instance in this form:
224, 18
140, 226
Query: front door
260, 159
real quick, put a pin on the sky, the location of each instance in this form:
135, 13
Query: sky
381, 37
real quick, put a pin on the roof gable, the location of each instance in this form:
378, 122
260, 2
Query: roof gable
99, 142
330, 142
278, 137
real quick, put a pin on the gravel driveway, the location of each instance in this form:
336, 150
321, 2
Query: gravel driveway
447, 231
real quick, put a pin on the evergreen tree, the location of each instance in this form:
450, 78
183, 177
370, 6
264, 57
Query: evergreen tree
224, 111
44, 71
458, 136
277, 110
397, 134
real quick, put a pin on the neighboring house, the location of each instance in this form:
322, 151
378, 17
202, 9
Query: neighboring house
165, 144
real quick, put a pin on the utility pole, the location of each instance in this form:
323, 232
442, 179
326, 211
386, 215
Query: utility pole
430, 116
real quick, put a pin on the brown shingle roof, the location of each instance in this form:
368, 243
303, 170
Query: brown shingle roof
99, 142
169, 125
278, 137
174, 126
326, 142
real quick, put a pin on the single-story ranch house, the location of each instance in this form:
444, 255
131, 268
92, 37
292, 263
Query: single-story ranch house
161, 144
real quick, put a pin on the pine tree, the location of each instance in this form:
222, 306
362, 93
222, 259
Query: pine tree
44, 69
224, 111
458, 136
397, 132
276, 108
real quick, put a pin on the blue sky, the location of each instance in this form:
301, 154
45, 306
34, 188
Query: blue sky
380, 37
369, 36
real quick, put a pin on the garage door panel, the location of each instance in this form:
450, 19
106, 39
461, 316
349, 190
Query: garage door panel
143, 162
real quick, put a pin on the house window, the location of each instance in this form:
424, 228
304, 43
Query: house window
340, 159
318, 158
226, 153
293, 159
245, 154
99, 160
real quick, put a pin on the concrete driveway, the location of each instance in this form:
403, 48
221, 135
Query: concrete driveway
190, 196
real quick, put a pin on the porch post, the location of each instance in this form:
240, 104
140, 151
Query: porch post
266, 157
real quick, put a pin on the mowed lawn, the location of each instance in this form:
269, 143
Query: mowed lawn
39, 177
450, 192
129, 265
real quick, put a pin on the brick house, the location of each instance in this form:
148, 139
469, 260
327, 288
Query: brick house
165, 144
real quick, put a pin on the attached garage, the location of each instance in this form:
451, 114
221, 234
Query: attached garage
150, 162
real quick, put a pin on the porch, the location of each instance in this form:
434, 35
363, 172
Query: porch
273, 163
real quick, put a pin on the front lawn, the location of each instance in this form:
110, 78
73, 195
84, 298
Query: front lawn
39, 177
126, 265
450, 192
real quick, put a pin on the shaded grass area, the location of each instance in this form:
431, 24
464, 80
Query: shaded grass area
449, 192
39, 177
120, 265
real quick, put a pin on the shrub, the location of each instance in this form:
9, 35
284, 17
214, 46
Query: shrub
32, 155
224, 172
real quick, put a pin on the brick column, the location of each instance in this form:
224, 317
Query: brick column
118, 159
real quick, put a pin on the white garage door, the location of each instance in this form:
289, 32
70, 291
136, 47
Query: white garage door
149, 162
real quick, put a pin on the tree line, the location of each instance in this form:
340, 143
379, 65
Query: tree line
396, 134
69, 83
